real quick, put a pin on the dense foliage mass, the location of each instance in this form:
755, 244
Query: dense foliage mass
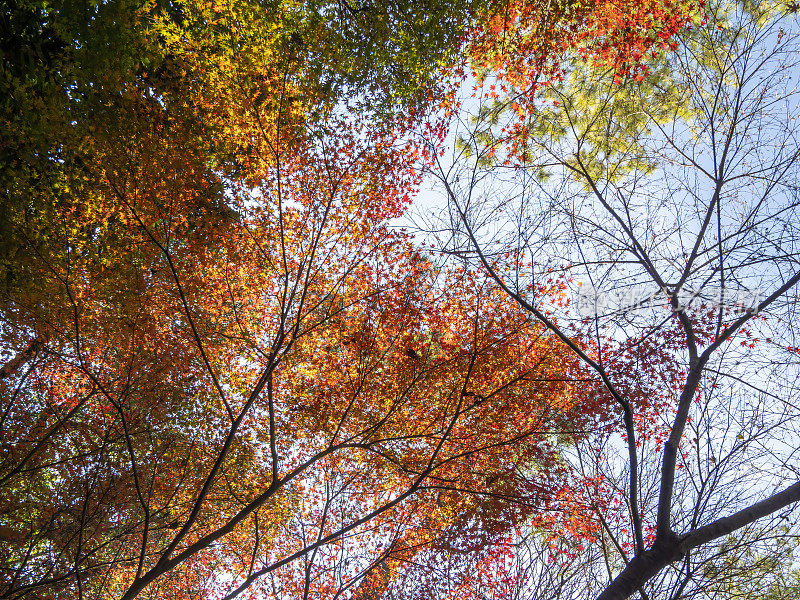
230, 367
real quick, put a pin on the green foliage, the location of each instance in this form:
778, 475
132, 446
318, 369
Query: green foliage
749, 566
83, 84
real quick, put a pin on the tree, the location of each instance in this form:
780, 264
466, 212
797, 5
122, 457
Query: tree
669, 193
224, 370
77, 78
213, 382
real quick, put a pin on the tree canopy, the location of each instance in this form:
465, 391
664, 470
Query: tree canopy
411, 299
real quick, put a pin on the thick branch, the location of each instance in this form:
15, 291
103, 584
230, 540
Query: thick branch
670, 547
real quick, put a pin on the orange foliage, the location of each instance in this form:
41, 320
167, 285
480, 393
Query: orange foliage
524, 42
